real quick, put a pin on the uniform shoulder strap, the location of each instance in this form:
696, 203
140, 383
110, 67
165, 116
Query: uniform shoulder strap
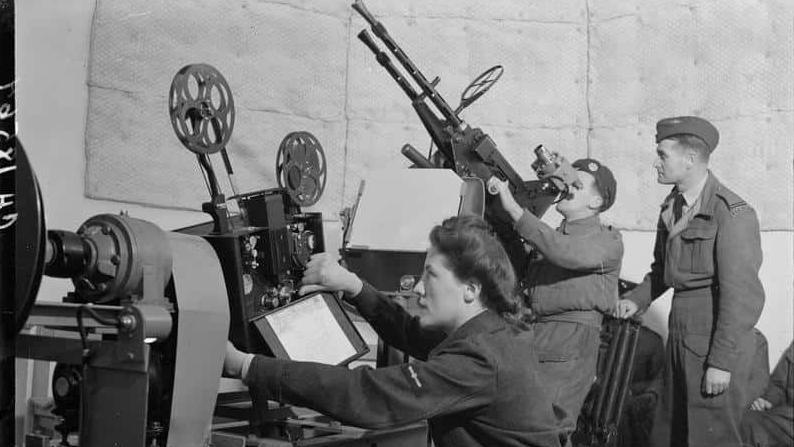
733, 202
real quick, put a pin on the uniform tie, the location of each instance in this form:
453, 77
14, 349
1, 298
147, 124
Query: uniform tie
678, 207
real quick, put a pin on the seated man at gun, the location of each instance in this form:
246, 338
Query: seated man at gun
572, 281
474, 381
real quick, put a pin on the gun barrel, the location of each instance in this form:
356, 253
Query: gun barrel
418, 159
384, 60
369, 42
360, 8
426, 86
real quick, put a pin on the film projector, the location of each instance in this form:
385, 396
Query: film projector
139, 342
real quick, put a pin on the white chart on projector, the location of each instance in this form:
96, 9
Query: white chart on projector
309, 332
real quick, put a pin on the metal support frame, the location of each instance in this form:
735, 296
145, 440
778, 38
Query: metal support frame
115, 369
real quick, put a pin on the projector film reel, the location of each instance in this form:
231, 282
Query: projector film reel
201, 107
301, 168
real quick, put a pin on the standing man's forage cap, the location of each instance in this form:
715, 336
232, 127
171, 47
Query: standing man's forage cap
688, 125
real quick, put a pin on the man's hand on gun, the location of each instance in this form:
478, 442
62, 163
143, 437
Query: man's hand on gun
625, 309
323, 272
502, 189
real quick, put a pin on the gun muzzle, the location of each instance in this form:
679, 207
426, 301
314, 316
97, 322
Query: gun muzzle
368, 41
416, 158
360, 8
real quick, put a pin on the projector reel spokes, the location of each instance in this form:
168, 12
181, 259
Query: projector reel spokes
301, 168
201, 107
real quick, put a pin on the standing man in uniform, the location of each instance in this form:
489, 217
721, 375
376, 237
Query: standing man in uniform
708, 249
573, 281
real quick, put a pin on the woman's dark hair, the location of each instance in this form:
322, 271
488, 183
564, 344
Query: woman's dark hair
474, 253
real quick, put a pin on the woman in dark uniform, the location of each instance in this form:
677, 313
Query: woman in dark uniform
474, 382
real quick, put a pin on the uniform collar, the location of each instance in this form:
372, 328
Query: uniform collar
708, 199
692, 195
705, 189
580, 226
486, 321
711, 189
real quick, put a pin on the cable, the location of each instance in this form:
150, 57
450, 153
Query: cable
206, 164
83, 335
430, 150
114, 322
204, 175
82, 330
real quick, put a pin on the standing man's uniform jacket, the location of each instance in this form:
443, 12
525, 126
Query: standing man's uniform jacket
573, 281
476, 387
711, 257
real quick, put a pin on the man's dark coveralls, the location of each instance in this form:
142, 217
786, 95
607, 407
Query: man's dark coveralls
774, 427
711, 259
477, 387
573, 281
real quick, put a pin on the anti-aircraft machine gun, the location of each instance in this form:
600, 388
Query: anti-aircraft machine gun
470, 152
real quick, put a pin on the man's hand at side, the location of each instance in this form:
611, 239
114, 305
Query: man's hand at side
715, 381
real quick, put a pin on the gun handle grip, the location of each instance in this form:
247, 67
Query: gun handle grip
494, 185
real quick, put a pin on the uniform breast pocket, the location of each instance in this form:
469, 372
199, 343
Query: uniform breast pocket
697, 249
